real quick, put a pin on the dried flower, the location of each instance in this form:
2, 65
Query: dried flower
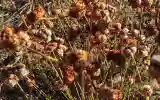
125, 30
106, 12
143, 37
24, 38
24, 72
60, 52
144, 53
79, 4
63, 47
147, 90
8, 30
117, 94
57, 11
125, 36
133, 49
13, 80
81, 54
61, 40
39, 12
118, 26
131, 79
117, 79
106, 31
102, 38
48, 31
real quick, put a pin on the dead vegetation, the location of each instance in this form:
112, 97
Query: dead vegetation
79, 50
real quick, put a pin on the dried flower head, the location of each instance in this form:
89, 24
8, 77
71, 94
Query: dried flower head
133, 49
60, 52
131, 79
102, 38
125, 30
8, 30
24, 72
147, 90
81, 54
39, 12
80, 4
143, 37
136, 32
13, 80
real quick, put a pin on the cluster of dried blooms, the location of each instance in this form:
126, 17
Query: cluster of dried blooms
36, 32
